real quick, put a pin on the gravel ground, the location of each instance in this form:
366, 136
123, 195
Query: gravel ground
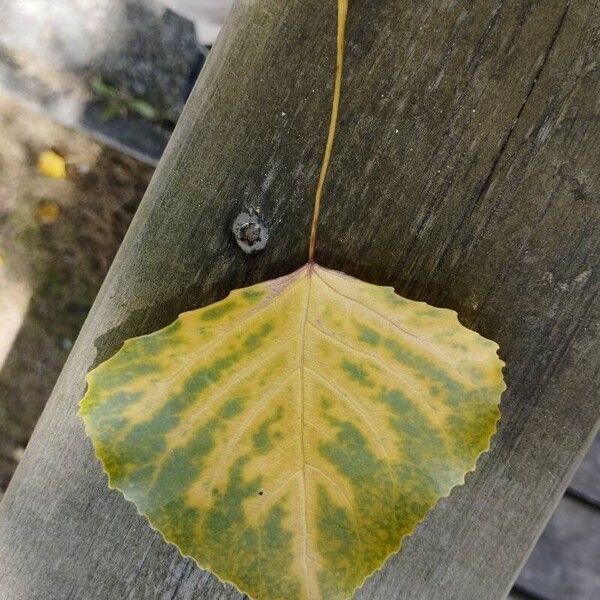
57, 240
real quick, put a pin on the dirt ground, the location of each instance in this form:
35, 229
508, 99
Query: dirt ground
57, 240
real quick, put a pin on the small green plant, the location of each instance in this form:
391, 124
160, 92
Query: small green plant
120, 103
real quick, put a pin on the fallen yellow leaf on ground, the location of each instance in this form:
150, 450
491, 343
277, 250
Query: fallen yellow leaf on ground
47, 212
52, 164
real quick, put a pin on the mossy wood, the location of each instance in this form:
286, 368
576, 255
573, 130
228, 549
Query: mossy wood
290, 436
466, 155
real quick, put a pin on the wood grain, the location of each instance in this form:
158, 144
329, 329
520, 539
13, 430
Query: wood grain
465, 173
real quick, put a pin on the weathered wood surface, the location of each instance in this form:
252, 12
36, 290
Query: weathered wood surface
465, 173
565, 561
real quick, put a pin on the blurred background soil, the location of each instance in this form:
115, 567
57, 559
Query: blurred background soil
58, 237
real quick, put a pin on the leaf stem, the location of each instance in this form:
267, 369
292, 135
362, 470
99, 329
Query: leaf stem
337, 92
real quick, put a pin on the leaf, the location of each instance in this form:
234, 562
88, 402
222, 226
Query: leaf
51, 164
290, 436
102, 89
112, 110
47, 212
143, 108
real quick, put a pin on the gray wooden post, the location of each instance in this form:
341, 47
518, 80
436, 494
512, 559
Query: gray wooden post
465, 173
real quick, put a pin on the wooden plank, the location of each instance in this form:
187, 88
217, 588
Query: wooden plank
586, 481
564, 563
465, 174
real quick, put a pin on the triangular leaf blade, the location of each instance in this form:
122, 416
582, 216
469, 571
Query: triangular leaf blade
289, 436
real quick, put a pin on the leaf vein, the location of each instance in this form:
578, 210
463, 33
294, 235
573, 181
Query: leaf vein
419, 339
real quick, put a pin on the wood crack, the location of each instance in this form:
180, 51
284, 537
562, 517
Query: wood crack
492, 171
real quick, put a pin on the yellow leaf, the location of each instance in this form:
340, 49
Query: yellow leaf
52, 164
290, 436
47, 212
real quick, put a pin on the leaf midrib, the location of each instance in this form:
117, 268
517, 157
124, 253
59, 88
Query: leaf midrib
302, 436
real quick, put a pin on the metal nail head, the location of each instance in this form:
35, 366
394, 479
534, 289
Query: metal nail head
250, 233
